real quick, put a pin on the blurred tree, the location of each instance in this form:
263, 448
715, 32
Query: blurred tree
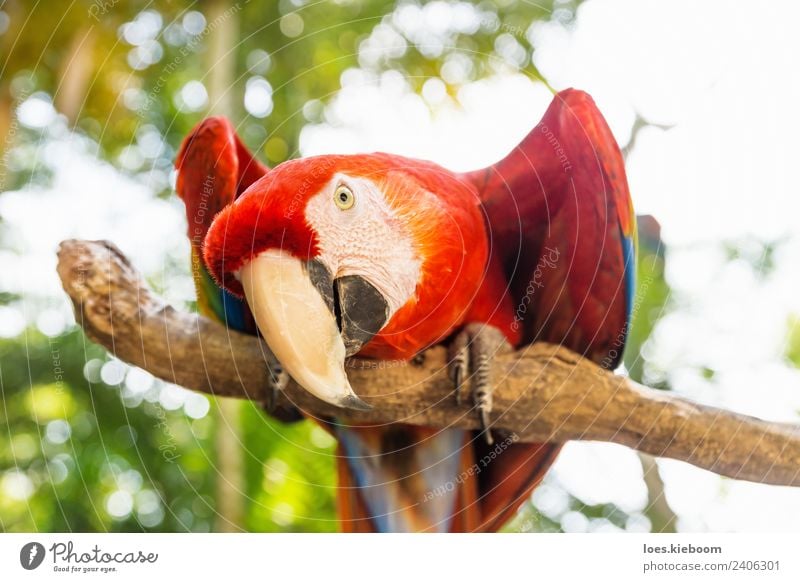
221, 68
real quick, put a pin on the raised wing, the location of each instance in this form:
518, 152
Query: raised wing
563, 232
563, 229
214, 167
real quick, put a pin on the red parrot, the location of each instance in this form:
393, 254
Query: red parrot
383, 256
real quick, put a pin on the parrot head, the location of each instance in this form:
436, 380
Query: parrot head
326, 250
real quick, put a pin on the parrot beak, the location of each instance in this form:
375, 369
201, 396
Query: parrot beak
300, 312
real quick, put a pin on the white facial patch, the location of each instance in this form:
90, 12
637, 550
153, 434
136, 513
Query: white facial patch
366, 240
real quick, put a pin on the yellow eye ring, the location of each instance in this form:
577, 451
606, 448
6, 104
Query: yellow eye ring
344, 197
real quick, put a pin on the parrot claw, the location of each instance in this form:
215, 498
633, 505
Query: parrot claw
471, 351
459, 362
277, 381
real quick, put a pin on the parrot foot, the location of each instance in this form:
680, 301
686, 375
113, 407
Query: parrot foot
277, 381
472, 350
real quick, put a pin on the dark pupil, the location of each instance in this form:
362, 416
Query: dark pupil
343, 196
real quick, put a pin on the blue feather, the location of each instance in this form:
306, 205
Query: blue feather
629, 256
437, 460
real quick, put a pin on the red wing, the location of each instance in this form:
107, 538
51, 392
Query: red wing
561, 223
508, 480
214, 167
562, 232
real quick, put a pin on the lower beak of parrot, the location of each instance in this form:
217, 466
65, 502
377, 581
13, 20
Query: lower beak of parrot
310, 322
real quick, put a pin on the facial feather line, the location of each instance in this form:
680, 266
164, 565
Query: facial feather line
368, 240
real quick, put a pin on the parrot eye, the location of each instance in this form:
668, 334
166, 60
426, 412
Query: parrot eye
344, 197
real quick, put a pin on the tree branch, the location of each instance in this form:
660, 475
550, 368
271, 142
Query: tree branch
543, 392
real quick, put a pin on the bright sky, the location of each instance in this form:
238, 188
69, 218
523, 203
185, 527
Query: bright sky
725, 74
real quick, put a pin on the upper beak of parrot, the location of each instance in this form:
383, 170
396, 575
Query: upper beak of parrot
311, 322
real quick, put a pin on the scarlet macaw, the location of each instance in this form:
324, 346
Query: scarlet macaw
382, 256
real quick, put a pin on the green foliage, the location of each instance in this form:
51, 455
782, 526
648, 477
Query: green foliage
792, 350
759, 255
139, 58
294, 489
76, 441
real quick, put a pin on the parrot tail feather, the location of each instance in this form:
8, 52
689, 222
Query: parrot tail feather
402, 478
507, 482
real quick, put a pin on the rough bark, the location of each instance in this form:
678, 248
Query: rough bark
543, 392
